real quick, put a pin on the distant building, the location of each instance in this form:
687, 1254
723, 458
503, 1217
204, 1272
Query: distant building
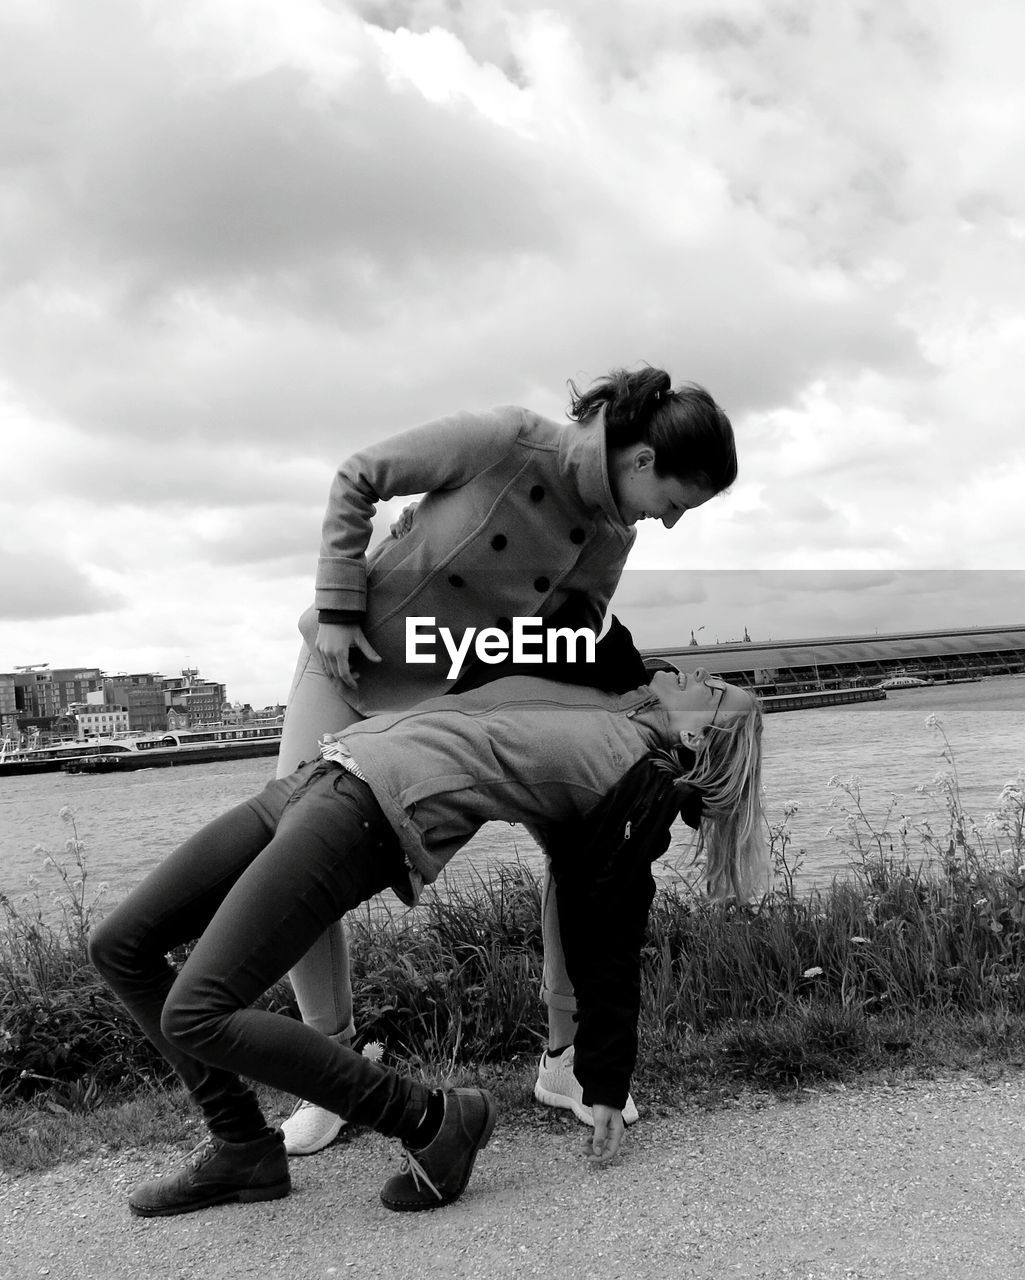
8, 703
177, 718
101, 722
199, 700
144, 697
42, 696
41, 703
42, 693
796, 666
266, 715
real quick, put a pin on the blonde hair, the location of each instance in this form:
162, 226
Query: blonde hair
728, 770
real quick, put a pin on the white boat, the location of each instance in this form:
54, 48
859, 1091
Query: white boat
902, 680
186, 746
19, 760
143, 751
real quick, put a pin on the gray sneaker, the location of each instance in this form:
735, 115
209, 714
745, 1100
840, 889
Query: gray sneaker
218, 1172
310, 1128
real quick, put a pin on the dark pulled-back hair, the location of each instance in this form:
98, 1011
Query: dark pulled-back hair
691, 436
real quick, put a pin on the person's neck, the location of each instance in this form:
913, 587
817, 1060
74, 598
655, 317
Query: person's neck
652, 716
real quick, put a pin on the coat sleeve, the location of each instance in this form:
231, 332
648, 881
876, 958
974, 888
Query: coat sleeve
604, 890
444, 454
603, 933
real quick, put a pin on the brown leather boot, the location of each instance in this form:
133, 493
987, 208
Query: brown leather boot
218, 1172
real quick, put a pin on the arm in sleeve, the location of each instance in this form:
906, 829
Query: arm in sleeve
603, 933
604, 892
444, 454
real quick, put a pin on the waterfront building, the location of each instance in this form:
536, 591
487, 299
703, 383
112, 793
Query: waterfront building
8, 703
41, 702
43, 695
833, 662
102, 721
144, 697
198, 701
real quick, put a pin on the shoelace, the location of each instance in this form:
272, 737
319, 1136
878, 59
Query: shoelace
412, 1166
194, 1158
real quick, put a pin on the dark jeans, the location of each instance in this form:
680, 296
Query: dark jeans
257, 887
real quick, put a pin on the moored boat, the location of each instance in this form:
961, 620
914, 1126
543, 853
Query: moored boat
142, 751
820, 698
15, 761
904, 680
186, 746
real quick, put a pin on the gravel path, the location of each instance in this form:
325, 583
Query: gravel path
925, 1180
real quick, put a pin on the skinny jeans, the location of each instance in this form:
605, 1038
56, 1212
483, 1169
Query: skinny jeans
321, 979
256, 887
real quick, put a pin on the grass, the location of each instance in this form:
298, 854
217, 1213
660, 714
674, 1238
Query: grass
912, 964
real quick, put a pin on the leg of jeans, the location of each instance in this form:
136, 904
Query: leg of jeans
320, 979
332, 850
556, 988
173, 905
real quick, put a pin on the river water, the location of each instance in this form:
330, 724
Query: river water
128, 822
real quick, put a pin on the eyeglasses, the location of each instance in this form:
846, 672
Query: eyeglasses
710, 682
713, 682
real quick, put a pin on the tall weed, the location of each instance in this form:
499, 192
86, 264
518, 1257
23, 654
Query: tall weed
928, 928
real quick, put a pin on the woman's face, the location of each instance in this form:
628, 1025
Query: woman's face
695, 700
642, 494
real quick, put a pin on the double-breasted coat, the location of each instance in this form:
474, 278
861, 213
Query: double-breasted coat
518, 515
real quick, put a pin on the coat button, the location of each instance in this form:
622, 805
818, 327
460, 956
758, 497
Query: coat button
456, 580
503, 624
541, 584
499, 541
537, 493
578, 536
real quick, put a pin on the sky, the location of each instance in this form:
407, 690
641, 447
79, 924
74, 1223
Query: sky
242, 238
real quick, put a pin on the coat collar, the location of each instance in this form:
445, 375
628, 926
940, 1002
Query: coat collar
583, 458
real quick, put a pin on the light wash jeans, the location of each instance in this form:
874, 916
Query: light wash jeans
321, 979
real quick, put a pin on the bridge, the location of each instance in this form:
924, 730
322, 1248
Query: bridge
832, 662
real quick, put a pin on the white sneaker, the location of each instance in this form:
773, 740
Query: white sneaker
310, 1128
557, 1086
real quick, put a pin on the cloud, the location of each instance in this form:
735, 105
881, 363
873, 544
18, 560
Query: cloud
243, 239
36, 587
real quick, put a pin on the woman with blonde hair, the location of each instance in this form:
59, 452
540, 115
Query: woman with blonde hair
522, 517
391, 800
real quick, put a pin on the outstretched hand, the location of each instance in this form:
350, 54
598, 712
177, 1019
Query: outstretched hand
333, 643
603, 1145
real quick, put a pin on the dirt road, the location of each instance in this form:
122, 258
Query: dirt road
917, 1182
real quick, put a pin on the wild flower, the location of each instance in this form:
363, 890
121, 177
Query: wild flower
373, 1051
814, 972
